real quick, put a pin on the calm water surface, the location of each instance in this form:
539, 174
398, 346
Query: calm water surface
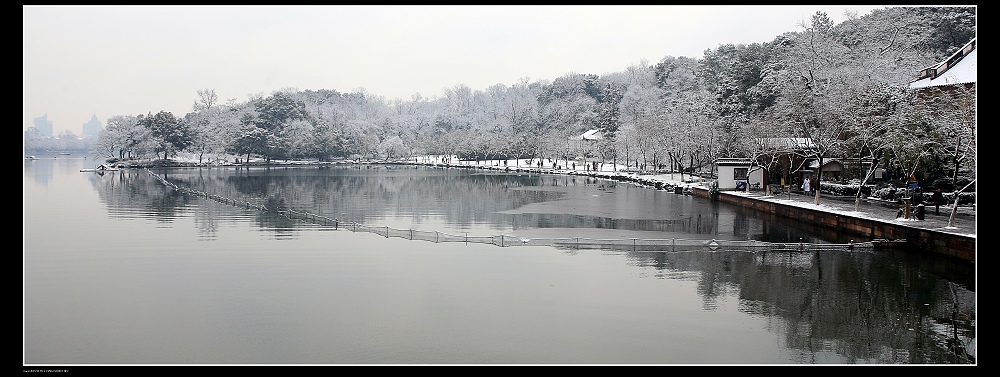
119, 269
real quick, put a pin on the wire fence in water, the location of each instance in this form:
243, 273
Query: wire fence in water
503, 240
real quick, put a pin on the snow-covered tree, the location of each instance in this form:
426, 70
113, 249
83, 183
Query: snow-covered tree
253, 140
953, 111
393, 148
361, 138
868, 113
761, 139
570, 103
120, 138
327, 142
911, 145
743, 79
207, 99
638, 104
208, 124
816, 85
167, 133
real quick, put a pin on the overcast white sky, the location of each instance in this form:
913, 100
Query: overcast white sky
129, 60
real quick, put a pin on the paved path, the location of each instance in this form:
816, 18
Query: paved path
964, 222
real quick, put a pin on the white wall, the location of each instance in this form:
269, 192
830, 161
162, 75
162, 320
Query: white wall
728, 182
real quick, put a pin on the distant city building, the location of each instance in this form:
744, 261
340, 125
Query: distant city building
43, 125
93, 128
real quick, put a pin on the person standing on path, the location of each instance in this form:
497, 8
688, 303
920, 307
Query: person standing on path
937, 199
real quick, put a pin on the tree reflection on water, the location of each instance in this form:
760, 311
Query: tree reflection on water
869, 307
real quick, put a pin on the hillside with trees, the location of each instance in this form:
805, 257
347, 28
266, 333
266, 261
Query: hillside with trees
842, 87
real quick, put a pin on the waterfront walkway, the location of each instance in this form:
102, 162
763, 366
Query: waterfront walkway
964, 222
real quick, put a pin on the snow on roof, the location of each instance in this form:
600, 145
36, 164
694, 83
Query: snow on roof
733, 161
963, 71
591, 135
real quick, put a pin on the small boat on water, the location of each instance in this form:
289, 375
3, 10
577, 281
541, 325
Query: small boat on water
100, 169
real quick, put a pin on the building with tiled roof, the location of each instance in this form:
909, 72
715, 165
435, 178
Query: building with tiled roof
958, 69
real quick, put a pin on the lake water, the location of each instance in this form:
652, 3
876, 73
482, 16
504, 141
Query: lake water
120, 269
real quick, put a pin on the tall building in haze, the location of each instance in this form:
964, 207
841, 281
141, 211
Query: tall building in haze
43, 125
92, 129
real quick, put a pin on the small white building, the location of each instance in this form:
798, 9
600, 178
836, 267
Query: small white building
735, 171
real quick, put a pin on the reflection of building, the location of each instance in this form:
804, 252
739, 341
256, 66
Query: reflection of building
92, 129
43, 125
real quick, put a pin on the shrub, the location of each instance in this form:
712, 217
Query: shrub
892, 194
889, 193
944, 184
964, 198
848, 189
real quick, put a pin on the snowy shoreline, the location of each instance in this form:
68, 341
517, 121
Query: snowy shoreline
658, 181
663, 181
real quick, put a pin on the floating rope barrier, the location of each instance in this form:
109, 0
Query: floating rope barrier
629, 244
